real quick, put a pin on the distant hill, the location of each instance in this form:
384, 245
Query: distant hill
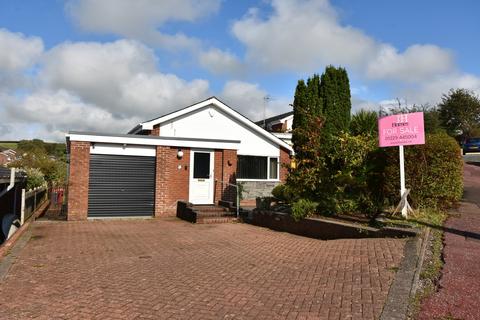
8, 145
51, 148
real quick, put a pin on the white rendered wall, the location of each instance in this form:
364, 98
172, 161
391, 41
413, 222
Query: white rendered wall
289, 122
119, 149
211, 123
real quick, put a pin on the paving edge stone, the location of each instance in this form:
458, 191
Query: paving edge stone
9, 259
404, 284
10, 249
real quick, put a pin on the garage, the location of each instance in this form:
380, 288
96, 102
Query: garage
121, 186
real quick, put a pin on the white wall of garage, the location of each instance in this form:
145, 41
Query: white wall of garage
123, 150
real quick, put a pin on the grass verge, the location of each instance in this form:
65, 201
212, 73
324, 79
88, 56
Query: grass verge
433, 263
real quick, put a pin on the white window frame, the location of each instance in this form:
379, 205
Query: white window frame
268, 169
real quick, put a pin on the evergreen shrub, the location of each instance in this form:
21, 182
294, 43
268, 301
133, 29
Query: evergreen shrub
433, 172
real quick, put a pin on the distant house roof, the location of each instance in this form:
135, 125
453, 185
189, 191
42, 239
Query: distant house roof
9, 153
5, 175
275, 118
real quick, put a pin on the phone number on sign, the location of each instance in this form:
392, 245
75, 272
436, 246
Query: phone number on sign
404, 137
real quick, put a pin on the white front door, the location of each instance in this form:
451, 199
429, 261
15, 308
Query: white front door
201, 177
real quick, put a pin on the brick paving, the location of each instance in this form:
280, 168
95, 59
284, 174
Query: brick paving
457, 297
170, 269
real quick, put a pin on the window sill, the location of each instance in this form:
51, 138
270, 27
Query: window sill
260, 180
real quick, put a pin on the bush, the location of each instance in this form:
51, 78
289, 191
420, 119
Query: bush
278, 192
433, 172
35, 178
303, 208
357, 181
364, 122
284, 193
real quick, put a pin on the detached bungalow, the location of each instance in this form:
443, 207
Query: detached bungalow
194, 154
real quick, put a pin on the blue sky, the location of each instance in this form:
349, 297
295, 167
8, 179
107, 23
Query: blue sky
106, 65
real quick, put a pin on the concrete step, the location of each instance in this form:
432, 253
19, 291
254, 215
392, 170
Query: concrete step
211, 220
210, 209
217, 214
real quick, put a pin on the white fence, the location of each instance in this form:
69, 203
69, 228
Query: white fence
31, 201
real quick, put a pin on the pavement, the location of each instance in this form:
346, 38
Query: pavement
171, 269
458, 295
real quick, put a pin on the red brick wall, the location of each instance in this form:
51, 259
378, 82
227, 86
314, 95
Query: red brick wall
284, 163
225, 170
3, 159
78, 180
155, 131
171, 182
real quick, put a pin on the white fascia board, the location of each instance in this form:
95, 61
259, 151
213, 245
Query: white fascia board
150, 124
161, 141
283, 135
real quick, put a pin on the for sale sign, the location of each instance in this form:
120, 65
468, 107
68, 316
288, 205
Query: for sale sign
401, 130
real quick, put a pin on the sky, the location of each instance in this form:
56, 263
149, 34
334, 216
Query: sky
106, 65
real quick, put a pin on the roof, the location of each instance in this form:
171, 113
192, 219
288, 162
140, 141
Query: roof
148, 125
275, 118
5, 175
87, 133
135, 139
9, 152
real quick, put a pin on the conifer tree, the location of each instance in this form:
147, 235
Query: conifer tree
336, 104
306, 105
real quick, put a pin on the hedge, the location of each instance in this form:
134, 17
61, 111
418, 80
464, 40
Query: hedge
434, 172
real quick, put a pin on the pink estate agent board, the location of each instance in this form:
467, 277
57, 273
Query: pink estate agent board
401, 130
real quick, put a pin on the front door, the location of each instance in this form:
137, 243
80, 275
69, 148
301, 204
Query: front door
201, 177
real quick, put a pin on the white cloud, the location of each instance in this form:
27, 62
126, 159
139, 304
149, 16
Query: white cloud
155, 94
306, 35
17, 51
249, 99
140, 19
120, 77
220, 62
431, 91
94, 86
63, 110
417, 63
52, 114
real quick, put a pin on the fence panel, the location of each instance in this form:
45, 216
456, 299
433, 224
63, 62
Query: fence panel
33, 199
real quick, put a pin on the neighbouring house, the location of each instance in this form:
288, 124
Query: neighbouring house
194, 154
7, 156
280, 126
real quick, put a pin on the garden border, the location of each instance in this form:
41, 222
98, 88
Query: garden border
321, 228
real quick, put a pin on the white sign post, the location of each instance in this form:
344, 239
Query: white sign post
403, 194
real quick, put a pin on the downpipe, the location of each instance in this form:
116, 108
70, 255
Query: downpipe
12, 183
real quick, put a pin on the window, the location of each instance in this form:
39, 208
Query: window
201, 165
273, 168
257, 168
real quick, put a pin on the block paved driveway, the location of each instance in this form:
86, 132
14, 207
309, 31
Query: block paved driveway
170, 269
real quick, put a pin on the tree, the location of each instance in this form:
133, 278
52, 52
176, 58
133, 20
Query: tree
49, 158
459, 112
336, 104
321, 114
306, 106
